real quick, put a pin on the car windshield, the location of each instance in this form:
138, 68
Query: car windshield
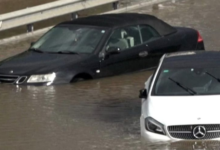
187, 81
70, 39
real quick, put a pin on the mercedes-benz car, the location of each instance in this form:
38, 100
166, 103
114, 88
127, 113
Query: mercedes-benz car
181, 99
97, 46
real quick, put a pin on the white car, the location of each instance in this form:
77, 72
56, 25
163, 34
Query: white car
181, 100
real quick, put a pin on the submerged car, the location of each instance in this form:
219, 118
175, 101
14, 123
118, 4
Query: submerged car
181, 99
97, 46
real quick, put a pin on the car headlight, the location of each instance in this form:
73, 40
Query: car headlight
43, 78
154, 126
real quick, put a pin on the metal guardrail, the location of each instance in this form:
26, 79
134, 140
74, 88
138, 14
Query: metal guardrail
39, 13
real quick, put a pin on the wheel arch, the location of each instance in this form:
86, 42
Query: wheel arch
82, 75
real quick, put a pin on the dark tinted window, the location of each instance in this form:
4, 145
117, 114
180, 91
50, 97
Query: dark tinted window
148, 33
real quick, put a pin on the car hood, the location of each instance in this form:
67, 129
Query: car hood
185, 109
31, 62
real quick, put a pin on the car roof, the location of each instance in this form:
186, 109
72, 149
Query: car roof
124, 19
195, 59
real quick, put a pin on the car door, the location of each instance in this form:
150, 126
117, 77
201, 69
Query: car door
157, 44
128, 40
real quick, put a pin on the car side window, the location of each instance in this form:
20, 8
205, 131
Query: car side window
124, 38
148, 33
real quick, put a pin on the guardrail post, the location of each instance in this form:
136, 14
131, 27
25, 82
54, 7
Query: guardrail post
115, 5
30, 28
74, 16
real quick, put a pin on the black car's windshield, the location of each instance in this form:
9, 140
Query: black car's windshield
70, 39
187, 81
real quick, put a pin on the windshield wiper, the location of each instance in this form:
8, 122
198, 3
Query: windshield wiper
213, 76
67, 52
37, 50
190, 91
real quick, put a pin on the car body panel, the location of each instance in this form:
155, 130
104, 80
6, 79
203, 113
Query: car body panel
98, 64
185, 109
130, 60
193, 110
66, 66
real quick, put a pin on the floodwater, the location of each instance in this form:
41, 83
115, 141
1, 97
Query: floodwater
96, 114
100, 114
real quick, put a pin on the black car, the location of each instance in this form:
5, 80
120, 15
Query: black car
97, 46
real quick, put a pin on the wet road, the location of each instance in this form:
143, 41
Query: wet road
98, 114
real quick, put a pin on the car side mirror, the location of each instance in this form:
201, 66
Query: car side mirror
143, 93
113, 50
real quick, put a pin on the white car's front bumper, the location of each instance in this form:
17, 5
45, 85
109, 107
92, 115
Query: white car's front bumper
154, 137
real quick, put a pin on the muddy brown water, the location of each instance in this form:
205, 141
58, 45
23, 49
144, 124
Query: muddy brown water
94, 114
97, 114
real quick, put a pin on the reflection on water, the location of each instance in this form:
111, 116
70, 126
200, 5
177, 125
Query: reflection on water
97, 114
101, 113
200, 145
183, 145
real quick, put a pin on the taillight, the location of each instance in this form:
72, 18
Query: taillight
199, 38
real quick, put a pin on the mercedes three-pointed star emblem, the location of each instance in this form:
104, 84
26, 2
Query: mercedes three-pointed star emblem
199, 132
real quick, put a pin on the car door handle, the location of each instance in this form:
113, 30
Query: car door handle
143, 54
